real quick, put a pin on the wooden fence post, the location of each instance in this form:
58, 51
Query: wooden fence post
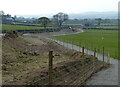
82, 50
97, 52
50, 66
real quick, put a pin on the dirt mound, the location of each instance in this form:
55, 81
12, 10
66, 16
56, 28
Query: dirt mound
25, 62
21, 55
11, 34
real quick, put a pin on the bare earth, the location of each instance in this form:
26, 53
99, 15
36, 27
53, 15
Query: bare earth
25, 61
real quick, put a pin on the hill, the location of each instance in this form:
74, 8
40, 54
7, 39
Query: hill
110, 14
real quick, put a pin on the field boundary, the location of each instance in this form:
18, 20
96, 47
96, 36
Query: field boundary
75, 72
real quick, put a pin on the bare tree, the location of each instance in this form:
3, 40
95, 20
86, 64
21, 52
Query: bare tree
88, 22
60, 18
99, 20
2, 13
106, 21
44, 21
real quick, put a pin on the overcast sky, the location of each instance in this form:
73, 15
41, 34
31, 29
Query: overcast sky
31, 7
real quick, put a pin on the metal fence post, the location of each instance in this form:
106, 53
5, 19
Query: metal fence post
50, 66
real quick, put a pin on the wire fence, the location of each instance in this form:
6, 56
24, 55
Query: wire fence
96, 51
75, 72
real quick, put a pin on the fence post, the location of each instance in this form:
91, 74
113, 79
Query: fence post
82, 50
50, 66
95, 52
103, 55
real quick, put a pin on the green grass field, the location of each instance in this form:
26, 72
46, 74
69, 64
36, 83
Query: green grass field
95, 39
108, 27
18, 27
72, 24
110, 24
26, 23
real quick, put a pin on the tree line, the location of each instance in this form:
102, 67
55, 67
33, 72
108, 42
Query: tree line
57, 20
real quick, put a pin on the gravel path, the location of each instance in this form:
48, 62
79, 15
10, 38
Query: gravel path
107, 76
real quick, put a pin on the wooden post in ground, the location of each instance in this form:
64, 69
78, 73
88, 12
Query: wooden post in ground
83, 51
50, 66
95, 52
94, 60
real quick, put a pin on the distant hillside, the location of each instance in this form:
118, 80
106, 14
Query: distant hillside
110, 15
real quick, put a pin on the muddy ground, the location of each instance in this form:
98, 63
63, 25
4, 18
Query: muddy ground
25, 62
